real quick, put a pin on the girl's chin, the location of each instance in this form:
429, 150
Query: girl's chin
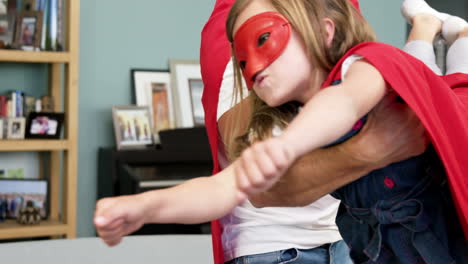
274, 103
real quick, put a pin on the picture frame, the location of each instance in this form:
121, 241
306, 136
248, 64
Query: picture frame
189, 107
152, 88
2, 128
28, 30
44, 125
132, 127
196, 93
16, 127
7, 27
3, 6
16, 192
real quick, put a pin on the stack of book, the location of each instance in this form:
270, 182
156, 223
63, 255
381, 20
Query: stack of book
17, 104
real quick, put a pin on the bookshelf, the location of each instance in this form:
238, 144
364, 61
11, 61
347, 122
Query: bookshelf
63, 161
35, 57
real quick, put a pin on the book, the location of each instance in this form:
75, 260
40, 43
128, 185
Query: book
52, 31
60, 26
19, 103
3, 110
12, 110
45, 22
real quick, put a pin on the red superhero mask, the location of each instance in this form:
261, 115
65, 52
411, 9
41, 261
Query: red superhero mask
259, 42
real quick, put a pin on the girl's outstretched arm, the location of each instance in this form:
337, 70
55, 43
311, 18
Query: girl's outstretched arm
196, 201
333, 111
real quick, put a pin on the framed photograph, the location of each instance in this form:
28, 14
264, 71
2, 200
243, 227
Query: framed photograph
28, 30
3, 6
2, 128
44, 125
196, 92
16, 193
15, 128
7, 26
188, 87
152, 88
132, 126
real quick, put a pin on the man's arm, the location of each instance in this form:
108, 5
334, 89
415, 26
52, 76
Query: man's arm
392, 134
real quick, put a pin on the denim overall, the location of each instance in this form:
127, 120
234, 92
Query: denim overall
402, 213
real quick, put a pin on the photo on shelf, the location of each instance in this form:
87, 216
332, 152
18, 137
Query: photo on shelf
196, 92
42, 125
47, 103
3, 7
16, 193
16, 127
3, 128
28, 30
183, 71
132, 126
152, 88
7, 25
15, 173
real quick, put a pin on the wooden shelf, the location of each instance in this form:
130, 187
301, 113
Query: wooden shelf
61, 169
33, 145
10, 229
34, 56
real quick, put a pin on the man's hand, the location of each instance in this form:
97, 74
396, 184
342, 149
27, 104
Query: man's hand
393, 133
117, 217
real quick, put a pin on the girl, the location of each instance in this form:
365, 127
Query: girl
289, 50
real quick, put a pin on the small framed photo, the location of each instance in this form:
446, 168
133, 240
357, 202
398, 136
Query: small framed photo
152, 88
44, 125
132, 126
188, 88
3, 6
16, 128
3, 129
196, 92
7, 26
28, 30
17, 192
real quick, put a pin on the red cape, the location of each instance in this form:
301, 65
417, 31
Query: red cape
440, 102
215, 53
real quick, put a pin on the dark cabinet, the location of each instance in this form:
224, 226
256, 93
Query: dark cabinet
184, 154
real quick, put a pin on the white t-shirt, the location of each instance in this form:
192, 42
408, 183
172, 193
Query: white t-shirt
248, 230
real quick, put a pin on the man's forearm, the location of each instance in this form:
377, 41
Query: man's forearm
392, 133
313, 176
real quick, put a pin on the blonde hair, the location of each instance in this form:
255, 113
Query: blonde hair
307, 19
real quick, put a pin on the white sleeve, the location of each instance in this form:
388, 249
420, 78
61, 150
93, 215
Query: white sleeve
226, 92
347, 64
